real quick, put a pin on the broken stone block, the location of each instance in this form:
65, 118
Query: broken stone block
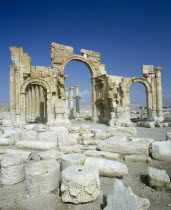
70, 149
124, 199
139, 139
29, 135
37, 145
138, 158
118, 138
102, 135
149, 124
73, 138
80, 184
87, 147
42, 177
91, 142
47, 136
50, 154
158, 178
168, 136
74, 129
25, 155
108, 168
72, 159
6, 141
161, 150
84, 129
87, 136
119, 130
12, 170
124, 147
100, 154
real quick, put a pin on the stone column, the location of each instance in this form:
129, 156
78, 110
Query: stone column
41, 104
66, 96
159, 105
33, 103
12, 94
93, 99
29, 105
77, 98
71, 103
37, 101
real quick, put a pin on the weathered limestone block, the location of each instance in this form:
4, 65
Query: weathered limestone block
124, 199
63, 139
168, 136
87, 136
119, 130
73, 138
72, 159
96, 130
102, 135
149, 124
6, 141
37, 145
74, 129
87, 147
138, 158
118, 138
50, 154
161, 150
80, 184
42, 177
47, 136
158, 178
29, 135
25, 155
91, 142
12, 170
84, 129
70, 149
107, 168
139, 148
15, 136
100, 154
139, 139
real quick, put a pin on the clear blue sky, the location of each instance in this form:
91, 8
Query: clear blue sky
127, 33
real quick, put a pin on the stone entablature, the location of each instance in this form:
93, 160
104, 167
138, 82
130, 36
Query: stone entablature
37, 93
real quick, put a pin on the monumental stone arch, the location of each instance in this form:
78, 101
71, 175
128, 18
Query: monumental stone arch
37, 93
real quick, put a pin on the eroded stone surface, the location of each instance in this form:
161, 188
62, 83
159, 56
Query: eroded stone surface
162, 150
80, 184
124, 199
108, 168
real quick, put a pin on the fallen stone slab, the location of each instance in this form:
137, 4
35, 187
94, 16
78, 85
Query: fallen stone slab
50, 154
25, 155
124, 199
108, 168
37, 145
73, 138
80, 184
92, 142
42, 177
158, 178
125, 147
84, 129
168, 136
70, 149
6, 141
139, 139
87, 136
120, 130
101, 154
50, 136
72, 159
118, 138
74, 129
138, 158
12, 170
29, 135
87, 147
102, 135
161, 150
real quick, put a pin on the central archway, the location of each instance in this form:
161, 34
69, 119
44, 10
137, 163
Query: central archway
91, 68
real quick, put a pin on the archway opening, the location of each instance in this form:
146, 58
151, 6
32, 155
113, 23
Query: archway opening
138, 102
36, 104
78, 90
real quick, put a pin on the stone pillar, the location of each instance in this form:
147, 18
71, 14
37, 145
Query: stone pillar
12, 95
66, 96
77, 98
41, 104
159, 104
37, 101
29, 105
93, 99
33, 103
71, 103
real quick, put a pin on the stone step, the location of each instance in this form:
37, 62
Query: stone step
36, 145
